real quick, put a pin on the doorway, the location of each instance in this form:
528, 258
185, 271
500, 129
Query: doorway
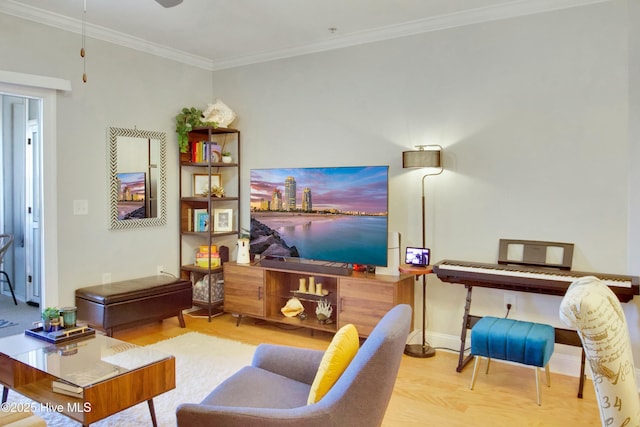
21, 118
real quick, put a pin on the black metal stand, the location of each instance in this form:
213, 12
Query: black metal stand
423, 350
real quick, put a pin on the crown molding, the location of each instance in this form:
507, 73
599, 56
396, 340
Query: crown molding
12, 7
510, 9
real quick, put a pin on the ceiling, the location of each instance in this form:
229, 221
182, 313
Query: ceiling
217, 34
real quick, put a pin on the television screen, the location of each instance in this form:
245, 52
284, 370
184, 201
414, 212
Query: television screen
132, 195
336, 214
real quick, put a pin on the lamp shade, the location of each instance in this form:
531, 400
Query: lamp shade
426, 157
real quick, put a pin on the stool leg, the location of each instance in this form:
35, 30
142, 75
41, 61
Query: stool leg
476, 365
488, 363
548, 374
537, 384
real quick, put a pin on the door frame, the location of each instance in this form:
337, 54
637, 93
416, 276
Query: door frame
45, 88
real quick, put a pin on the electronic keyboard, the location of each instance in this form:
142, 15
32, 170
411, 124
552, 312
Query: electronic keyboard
523, 278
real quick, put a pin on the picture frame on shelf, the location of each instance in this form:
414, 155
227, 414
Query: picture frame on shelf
222, 220
215, 152
201, 183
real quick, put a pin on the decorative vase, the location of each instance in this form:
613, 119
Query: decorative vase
243, 251
68, 317
226, 159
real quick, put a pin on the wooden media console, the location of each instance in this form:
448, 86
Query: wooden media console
360, 298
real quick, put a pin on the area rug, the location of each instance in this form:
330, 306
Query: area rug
202, 362
19, 317
6, 323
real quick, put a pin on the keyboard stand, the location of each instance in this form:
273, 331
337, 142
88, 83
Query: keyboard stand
563, 336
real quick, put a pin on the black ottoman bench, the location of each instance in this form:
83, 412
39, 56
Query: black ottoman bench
130, 302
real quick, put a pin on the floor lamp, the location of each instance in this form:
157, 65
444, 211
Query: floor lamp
428, 157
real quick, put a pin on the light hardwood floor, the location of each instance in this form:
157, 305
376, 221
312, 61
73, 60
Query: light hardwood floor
428, 392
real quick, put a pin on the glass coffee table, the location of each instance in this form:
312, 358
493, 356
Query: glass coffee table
87, 379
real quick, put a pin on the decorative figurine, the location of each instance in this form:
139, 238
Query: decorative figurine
323, 311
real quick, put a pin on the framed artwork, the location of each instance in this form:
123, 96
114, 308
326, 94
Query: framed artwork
201, 183
222, 220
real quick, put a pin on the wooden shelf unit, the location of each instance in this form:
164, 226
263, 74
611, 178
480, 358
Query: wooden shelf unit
190, 240
361, 298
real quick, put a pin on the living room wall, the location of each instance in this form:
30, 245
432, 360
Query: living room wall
532, 113
125, 88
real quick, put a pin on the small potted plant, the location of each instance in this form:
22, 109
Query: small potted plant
50, 319
226, 157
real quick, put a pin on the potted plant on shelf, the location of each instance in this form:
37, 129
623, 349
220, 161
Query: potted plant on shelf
186, 121
226, 157
50, 319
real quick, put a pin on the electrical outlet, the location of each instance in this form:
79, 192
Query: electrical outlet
81, 207
159, 269
510, 299
106, 278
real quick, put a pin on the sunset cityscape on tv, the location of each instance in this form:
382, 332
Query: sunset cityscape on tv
335, 214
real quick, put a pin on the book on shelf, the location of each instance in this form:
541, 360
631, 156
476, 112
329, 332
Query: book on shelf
100, 371
66, 386
203, 259
202, 151
196, 151
200, 220
67, 392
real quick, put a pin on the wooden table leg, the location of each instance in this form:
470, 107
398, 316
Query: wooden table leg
152, 411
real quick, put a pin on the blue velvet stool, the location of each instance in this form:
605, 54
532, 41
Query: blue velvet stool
513, 340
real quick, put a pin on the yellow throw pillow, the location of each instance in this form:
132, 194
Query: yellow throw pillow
341, 351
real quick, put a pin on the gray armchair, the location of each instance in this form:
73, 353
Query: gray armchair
273, 391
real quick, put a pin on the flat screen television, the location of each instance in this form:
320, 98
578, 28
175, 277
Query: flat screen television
132, 195
334, 214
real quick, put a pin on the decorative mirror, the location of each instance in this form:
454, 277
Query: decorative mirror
137, 178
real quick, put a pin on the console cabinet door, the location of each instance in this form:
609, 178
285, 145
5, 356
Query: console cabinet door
243, 290
363, 303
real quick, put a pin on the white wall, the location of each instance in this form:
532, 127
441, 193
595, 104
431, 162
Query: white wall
125, 88
533, 117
